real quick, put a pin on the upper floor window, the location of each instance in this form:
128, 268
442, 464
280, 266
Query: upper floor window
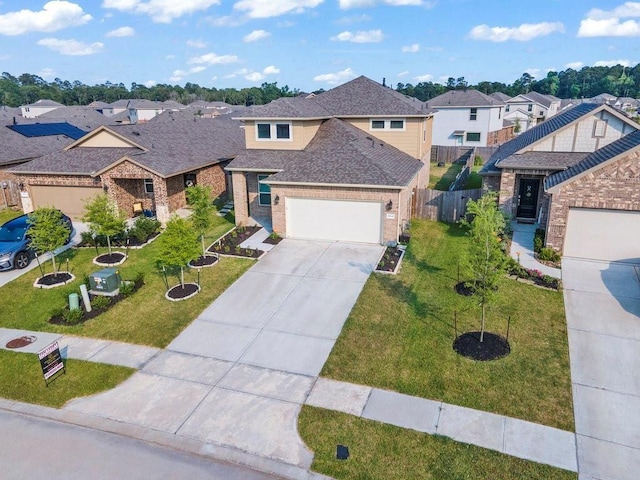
273, 131
387, 124
473, 114
530, 107
599, 128
506, 109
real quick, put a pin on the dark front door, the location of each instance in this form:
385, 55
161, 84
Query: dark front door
528, 197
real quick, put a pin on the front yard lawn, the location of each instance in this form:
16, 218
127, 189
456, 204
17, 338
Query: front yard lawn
400, 333
380, 451
145, 317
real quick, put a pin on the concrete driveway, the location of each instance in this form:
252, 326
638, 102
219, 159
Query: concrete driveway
602, 302
238, 375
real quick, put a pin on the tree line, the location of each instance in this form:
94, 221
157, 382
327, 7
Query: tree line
584, 83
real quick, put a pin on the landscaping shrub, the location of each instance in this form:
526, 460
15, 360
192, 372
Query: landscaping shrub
73, 317
127, 288
477, 161
99, 301
538, 240
143, 228
548, 254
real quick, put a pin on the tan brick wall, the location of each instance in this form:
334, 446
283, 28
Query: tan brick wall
507, 191
615, 186
240, 198
125, 183
500, 136
60, 180
214, 177
491, 182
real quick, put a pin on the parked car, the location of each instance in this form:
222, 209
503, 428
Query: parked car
15, 251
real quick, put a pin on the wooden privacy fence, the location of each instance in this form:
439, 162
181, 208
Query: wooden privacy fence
444, 206
9, 194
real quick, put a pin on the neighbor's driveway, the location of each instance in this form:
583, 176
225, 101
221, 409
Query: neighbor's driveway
602, 302
239, 374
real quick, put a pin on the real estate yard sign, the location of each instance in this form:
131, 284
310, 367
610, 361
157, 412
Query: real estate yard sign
51, 361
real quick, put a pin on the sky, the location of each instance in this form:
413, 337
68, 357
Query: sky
312, 44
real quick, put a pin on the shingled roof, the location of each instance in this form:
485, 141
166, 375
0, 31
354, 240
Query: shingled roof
463, 98
339, 154
286, 108
623, 145
534, 134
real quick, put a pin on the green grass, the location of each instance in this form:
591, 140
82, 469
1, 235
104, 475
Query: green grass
440, 178
22, 379
7, 214
474, 180
145, 318
380, 451
399, 336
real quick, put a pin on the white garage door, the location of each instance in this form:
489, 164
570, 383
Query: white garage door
334, 220
70, 200
603, 234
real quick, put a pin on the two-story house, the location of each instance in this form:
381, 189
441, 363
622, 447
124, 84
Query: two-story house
34, 110
340, 165
468, 118
577, 175
530, 109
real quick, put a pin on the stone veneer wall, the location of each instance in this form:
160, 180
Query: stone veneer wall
615, 186
500, 136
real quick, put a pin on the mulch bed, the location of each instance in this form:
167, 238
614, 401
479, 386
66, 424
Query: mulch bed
491, 348
230, 243
272, 241
60, 320
20, 341
110, 258
180, 292
389, 260
203, 261
132, 242
464, 288
51, 279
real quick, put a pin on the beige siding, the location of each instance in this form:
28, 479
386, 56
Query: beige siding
104, 139
301, 134
411, 140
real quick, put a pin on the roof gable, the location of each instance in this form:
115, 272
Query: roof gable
103, 137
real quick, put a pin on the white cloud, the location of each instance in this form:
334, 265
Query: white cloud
55, 15
180, 74
213, 59
271, 70
254, 76
150, 83
161, 11
574, 65
214, 78
122, 32
71, 47
613, 63
523, 33
601, 23
259, 76
47, 73
274, 8
411, 48
196, 44
534, 72
370, 36
242, 71
346, 4
403, 74
335, 78
353, 19
423, 78
255, 36
285, 24
225, 21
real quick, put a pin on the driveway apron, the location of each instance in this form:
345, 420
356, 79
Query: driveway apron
238, 375
602, 302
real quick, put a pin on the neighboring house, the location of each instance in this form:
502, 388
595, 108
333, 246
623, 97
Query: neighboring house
628, 105
115, 108
212, 109
98, 106
173, 105
604, 98
341, 165
86, 118
150, 163
502, 97
34, 110
577, 174
531, 108
468, 118
141, 111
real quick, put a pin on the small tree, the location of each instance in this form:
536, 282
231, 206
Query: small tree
199, 198
486, 257
516, 126
104, 218
178, 245
48, 231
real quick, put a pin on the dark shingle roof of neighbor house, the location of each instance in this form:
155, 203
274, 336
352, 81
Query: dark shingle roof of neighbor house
83, 117
463, 98
176, 141
45, 102
628, 142
339, 154
16, 148
286, 107
543, 160
503, 97
534, 134
545, 100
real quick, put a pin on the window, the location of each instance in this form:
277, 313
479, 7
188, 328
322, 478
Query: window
148, 185
473, 136
264, 191
599, 128
387, 124
273, 131
473, 115
506, 109
530, 107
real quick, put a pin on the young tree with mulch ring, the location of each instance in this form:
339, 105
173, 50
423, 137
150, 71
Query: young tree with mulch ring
104, 218
178, 245
199, 198
47, 232
486, 257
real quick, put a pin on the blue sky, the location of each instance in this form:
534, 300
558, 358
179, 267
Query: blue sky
311, 44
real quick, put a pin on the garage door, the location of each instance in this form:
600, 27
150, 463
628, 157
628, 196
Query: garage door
603, 234
334, 220
70, 200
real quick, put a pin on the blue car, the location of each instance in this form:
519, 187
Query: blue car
15, 251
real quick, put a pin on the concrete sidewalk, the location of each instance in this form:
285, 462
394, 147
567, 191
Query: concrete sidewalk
522, 249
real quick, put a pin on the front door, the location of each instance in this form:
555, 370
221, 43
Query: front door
528, 197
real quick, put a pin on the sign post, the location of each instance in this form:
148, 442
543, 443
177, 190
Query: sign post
51, 362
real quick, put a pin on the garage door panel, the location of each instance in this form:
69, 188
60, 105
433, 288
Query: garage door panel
610, 235
70, 200
318, 219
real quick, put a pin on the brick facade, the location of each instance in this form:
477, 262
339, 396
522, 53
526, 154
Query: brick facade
509, 189
615, 186
500, 136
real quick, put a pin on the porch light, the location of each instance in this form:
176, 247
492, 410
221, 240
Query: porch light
276, 200
389, 205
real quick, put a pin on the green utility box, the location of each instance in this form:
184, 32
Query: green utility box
105, 281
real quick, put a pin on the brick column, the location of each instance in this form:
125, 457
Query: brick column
240, 197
